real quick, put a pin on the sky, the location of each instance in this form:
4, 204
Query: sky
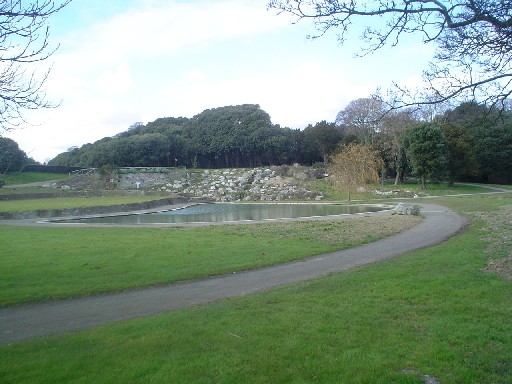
124, 61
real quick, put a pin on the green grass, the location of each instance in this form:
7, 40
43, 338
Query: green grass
501, 186
435, 189
408, 189
70, 202
431, 312
40, 263
32, 177
474, 204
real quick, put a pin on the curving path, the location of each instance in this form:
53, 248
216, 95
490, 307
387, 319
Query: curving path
27, 321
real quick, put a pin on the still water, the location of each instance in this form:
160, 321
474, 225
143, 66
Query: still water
232, 212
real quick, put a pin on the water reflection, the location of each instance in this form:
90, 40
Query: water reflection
206, 213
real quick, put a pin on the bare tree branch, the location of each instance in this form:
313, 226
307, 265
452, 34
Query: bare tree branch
24, 39
473, 40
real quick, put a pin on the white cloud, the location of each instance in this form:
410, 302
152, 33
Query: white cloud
307, 92
114, 82
148, 33
156, 28
195, 75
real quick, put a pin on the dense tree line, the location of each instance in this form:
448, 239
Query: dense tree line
12, 158
469, 142
489, 133
232, 136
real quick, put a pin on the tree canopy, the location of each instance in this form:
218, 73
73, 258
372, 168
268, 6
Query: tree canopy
427, 150
12, 158
461, 153
473, 41
231, 136
477, 143
491, 136
320, 140
362, 118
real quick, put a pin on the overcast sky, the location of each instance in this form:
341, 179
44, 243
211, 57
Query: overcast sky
126, 61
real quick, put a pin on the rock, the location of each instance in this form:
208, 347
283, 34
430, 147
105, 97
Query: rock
407, 209
386, 193
272, 183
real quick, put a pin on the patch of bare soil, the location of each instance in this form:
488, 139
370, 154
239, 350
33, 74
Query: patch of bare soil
502, 267
500, 228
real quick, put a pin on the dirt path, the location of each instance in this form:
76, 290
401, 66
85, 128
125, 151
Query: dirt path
28, 321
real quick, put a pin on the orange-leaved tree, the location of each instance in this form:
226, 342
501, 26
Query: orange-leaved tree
355, 165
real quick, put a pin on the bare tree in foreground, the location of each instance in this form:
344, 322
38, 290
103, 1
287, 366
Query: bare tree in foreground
473, 39
24, 40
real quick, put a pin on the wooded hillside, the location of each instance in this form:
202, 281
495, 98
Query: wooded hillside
476, 141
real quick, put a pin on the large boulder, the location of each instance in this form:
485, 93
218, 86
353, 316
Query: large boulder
407, 209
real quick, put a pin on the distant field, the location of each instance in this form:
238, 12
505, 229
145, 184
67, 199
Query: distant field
70, 202
408, 189
32, 177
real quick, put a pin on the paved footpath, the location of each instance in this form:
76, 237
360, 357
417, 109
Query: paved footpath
28, 321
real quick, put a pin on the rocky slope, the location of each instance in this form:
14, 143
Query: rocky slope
263, 184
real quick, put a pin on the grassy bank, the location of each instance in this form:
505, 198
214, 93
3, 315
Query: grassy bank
434, 312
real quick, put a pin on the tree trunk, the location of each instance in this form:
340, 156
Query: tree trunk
400, 176
423, 182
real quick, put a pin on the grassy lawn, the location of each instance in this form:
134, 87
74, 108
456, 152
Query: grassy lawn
501, 186
408, 189
70, 202
44, 263
433, 312
32, 177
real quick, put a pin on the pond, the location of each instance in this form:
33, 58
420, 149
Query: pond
233, 212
